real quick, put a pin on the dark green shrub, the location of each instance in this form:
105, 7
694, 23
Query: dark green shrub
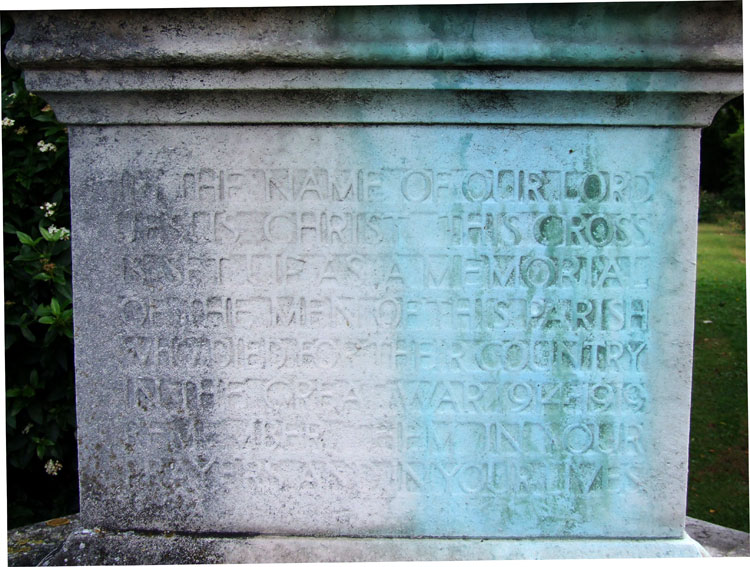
722, 175
712, 207
39, 382
734, 178
737, 221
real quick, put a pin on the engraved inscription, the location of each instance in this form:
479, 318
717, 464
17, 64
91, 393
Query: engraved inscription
480, 334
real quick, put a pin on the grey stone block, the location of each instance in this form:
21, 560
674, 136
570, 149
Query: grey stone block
719, 541
341, 307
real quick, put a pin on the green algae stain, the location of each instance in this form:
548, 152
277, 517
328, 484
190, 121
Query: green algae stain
638, 81
596, 23
563, 475
449, 24
463, 147
453, 32
398, 33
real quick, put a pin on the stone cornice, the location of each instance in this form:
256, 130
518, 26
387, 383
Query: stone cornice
661, 35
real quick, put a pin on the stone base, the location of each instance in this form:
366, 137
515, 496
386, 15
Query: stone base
718, 541
87, 547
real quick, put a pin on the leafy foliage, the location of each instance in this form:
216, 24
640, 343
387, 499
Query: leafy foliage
722, 177
40, 402
734, 178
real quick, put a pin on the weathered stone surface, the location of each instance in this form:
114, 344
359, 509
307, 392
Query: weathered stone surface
643, 36
33, 544
127, 548
320, 317
718, 541
43, 544
341, 309
352, 96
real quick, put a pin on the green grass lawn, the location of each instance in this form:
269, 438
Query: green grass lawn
718, 480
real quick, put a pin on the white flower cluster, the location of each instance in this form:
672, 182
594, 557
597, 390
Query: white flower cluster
53, 230
49, 209
8, 122
46, 147
52, 467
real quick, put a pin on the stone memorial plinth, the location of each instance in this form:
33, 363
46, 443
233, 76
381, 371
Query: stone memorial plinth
383, 283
